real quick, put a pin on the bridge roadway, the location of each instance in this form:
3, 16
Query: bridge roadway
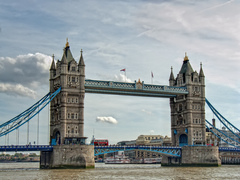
98, 150
133, 89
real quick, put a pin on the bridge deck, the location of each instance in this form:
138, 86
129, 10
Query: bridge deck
133, 89
26, 148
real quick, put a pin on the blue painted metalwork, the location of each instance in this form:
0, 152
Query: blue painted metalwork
26, 148
228, 149
28, 114
133, 89
235, 131
221, 135
170, 151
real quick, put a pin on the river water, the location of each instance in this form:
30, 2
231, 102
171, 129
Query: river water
25, 171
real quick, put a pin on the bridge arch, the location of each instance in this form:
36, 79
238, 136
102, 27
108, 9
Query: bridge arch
56, 137
183, 140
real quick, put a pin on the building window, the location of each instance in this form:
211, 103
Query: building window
68, 115
68, 100
180, 107
69, 78
72, 116
76, 100
73, 68
76, 117
72, 100
73, 79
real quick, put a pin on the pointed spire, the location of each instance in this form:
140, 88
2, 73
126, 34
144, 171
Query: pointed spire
171, 75
81, 61
64, 58
53, 63
201, 74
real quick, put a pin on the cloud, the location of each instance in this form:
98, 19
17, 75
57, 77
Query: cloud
17, 89
109, 120
24, 73
122, 78
147, 112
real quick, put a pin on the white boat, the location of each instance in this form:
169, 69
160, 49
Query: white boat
117, 160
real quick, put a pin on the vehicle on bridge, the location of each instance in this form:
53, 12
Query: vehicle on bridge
99, 142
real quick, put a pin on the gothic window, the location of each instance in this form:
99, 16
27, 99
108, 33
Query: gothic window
73, 68
72, 116
76, 115
68, 115
196, 89
72, 100
59, 115
76, 100
196, 121
73, 79
195, 80
180, 107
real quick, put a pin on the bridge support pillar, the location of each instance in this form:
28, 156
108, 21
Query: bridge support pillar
68, 156
195, 156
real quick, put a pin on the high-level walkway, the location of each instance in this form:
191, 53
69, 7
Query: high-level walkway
133, 89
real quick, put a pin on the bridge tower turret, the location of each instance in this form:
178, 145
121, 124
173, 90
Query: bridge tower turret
188, 111
67, 109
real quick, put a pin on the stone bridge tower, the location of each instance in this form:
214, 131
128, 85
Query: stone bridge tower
67, 108
188, 111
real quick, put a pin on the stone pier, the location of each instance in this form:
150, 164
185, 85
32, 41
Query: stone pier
195, 156
68, 156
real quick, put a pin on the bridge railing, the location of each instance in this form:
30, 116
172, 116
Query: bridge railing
132, 87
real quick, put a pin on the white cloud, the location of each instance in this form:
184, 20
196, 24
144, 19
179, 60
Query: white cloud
122, 78
24, 73
17, 89
147, 112
109, 120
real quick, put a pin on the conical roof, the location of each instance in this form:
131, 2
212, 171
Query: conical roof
201, 74
67, 53
171, 75
186, 67
53, 67
81, 61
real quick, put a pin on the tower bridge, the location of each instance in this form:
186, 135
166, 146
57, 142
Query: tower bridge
68, 86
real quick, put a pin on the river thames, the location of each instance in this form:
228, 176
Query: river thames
25, 171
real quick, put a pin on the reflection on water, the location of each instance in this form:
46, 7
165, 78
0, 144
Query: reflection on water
27, 171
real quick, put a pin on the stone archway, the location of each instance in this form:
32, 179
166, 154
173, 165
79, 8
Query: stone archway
56, 139
183, 140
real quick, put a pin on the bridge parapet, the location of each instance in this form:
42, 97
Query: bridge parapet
166, 150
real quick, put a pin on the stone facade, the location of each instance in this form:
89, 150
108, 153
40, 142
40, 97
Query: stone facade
67, 116
68, 156
188, 111
67, 108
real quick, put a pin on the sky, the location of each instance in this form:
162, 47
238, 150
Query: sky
141, 36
